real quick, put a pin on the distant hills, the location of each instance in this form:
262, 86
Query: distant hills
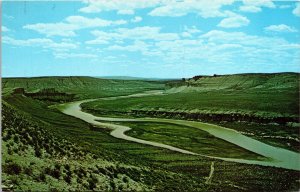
87, 87
237, 82
196, 83
135, 78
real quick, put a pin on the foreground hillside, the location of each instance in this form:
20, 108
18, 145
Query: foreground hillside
34, 158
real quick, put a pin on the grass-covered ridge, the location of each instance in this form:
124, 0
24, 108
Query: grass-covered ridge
238, 82
83, 87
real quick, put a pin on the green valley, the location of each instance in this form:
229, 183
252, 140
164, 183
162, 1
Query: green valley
45, 149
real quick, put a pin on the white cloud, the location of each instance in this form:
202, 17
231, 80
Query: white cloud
171, 8
181, 8
296, 11
221, 37
60, 50
137, 33
125, 12
97, 41
4, 29
250, 8
280, 28
83, 22
120, 22
70, 25
122, 6
233, 20
284, 6
74, 55
232, 48
186, 34
52, 29
137, 46
146, 33
8, 16
136, 19
40, 42
259, 3
213, 47
254, 6
190, 31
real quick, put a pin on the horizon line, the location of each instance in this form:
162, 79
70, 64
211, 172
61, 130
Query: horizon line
108, 76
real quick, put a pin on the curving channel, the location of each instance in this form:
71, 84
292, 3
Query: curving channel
277, 157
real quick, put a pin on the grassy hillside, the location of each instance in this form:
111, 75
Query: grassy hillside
83, 87
238, 82
34, 159
262, 99
265, 106
44, 150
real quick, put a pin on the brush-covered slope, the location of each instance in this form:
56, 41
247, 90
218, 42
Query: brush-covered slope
84, 87
34, 158
237, 82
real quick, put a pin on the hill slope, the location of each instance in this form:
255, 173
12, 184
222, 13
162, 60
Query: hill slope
237, 82
84, 87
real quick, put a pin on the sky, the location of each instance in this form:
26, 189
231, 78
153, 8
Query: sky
149, 38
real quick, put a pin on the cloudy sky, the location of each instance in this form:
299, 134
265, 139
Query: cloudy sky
149, 38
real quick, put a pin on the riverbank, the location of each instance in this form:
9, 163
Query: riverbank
280, 157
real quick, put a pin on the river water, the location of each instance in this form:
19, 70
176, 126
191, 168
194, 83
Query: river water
277, 157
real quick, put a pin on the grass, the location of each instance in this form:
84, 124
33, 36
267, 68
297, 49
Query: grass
247, 111
171, 170
83, 87
187, 138
281, 103
68, 155
35, 157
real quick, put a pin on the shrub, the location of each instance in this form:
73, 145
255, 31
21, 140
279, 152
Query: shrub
68, 178
38, 152
54, 190
28, 171
125, 179
12, 168
42, 177
56, 173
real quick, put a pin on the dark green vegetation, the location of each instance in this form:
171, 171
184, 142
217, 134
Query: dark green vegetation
47, 94
44, 149
264, 106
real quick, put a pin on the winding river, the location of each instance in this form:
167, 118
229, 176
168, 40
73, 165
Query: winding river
277, 157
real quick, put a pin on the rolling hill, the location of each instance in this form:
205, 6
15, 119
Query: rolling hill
83, 87
237, 82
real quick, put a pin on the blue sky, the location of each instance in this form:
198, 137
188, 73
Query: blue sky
149, 38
